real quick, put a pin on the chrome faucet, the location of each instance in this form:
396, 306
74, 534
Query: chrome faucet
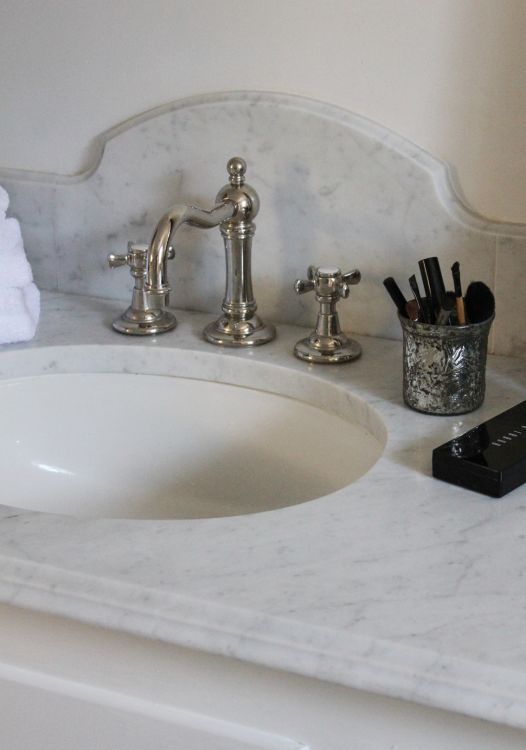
237, 205
327, 343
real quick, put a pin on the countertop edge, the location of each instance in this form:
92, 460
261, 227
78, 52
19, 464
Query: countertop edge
369, 664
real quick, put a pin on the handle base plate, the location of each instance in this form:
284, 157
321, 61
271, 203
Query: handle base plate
239, 333
340, 349
144, 322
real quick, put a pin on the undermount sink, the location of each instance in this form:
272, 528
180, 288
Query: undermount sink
114, 445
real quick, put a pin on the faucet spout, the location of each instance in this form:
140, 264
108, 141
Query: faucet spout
158, 253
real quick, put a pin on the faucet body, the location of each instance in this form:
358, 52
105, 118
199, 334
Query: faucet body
237, 204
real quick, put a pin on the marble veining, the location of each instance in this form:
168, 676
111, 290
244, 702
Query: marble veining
335, 188
397, 584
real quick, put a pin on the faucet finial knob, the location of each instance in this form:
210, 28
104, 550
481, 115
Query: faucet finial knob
236, 168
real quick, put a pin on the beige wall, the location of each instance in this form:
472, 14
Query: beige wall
449, 75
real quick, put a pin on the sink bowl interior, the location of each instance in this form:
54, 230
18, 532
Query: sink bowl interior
148, 446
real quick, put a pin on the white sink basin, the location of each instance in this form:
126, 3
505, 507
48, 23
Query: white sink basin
150, 446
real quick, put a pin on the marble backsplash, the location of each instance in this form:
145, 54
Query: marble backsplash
335, 189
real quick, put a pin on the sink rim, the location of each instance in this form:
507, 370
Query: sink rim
314, 389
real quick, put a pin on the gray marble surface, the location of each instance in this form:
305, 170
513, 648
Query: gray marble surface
397, 584
335, 188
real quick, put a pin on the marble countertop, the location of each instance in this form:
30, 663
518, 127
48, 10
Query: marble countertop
398, 584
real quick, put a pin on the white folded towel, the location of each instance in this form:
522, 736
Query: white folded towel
10, 234
4, 202
14, 267
19, 296
19, 313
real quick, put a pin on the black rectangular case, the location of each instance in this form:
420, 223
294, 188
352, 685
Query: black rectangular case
490, 458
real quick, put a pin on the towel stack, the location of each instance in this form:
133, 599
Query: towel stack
19, 296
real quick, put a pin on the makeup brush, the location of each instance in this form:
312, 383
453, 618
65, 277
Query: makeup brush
425, 279
428, 298
435, 281
479, 302
413, 283
447, 304
396, 295
461, 313
412, 310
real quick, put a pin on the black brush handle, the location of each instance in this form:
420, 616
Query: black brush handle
413, 283
425, 279
428, 300
436, 282
455, 272
428, 303
396, 295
